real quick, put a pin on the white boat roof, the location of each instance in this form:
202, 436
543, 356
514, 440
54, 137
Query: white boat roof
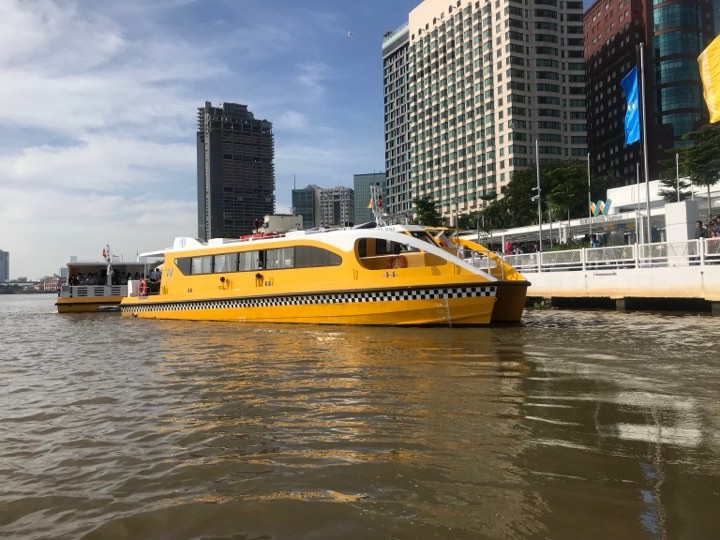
342, 239
101, 264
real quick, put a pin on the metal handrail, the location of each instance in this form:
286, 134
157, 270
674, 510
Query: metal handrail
659, 254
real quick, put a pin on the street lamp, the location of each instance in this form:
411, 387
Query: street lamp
456, 202
537, 197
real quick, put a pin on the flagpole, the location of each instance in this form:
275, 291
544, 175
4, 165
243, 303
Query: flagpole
537, 166
638, 219
644, 139
589, 195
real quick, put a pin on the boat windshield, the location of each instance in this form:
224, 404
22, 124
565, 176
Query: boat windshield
378, 253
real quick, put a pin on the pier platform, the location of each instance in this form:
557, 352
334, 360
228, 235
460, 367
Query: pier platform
671, 275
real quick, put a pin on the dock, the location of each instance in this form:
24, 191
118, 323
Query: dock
672, 275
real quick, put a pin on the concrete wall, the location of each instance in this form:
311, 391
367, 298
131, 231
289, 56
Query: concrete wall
669, 282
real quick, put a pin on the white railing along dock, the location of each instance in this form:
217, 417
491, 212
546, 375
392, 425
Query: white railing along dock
688, 270
662, 254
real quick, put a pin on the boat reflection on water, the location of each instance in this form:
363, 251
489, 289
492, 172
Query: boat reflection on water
437, 421
312, 407
622, 428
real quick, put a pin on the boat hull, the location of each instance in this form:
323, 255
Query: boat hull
458, 305
88, 305
511, 299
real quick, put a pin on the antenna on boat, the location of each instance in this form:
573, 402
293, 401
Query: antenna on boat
108, 258
376, 204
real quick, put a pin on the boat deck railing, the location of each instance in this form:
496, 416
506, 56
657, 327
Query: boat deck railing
90, 291
661, 254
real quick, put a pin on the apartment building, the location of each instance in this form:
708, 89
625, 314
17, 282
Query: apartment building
473, 89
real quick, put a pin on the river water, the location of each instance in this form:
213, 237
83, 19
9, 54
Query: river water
575, 424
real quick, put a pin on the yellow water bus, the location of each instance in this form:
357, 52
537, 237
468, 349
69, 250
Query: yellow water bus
394, 275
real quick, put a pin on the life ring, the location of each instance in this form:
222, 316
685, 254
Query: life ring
399, 261
142, 291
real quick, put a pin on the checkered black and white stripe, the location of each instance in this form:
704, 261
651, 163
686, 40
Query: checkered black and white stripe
391, 295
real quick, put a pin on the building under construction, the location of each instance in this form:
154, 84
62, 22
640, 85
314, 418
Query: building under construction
235, 170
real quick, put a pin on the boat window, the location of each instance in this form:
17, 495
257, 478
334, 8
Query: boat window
226, 262
385, 247
201, 265
250, 260
246, 261
311, 256
422, 235
280, 258
183, 264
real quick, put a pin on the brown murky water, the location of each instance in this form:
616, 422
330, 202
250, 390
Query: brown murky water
577, 424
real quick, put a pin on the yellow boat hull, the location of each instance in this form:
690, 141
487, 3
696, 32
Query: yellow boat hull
355, 277
454, 306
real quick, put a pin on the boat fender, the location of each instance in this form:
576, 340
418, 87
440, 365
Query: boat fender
142, 291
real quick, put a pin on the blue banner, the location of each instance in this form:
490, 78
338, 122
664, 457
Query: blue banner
632, 115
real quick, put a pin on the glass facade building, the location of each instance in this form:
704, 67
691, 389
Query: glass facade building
361, 185
306, 203
672, 34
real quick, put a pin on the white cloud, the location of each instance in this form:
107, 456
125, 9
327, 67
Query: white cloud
99, 163
58, 224
98, 114
57, 37
312, 76
292, 120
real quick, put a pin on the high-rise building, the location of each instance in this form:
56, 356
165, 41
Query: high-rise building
361, 186
235, 170
306, 203
471, 89
337, 207
4, 266
396, 66
673, 33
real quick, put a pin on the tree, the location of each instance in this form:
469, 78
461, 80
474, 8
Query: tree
469, 221
563, 187
701, 161
498, 215
569, 188
426, 213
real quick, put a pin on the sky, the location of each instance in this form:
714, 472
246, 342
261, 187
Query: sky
98, 111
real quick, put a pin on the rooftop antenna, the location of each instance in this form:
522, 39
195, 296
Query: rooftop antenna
376, 203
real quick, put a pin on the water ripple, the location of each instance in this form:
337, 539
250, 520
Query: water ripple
116, 428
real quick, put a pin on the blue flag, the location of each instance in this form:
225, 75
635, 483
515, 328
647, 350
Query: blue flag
632, 115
